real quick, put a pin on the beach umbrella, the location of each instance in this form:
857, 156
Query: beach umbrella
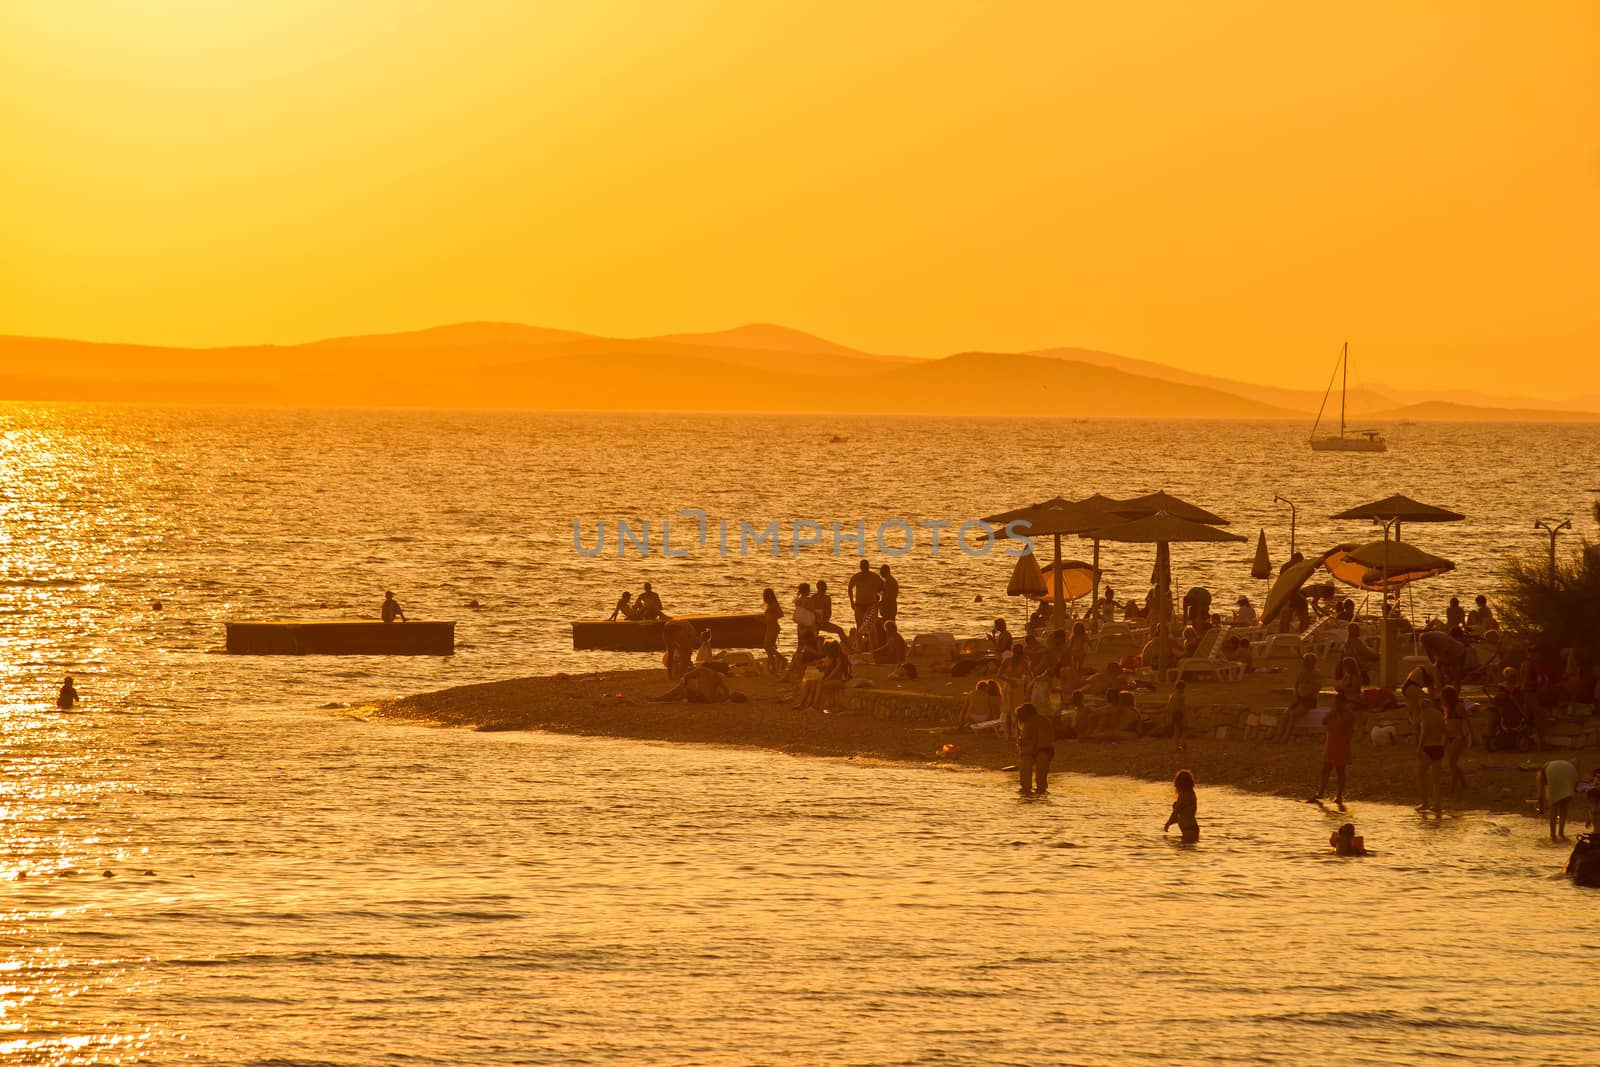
1026, 578
1163, 503
1163, 530
1400, 509
1282, 593
1382, 566
1077, 579
1261, 566
1395, 511
1108, 505
1055, 518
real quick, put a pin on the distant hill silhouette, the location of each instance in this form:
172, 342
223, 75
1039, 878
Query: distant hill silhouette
1445, 411
766, 337
463, 333
757, 368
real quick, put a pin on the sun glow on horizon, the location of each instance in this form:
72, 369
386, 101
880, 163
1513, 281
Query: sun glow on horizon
1230, 188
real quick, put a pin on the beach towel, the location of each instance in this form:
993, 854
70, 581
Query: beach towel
1560, 781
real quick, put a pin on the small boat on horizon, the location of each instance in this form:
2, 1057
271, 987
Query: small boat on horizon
1355, 440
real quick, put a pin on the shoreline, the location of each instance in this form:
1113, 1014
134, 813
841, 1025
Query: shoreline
617, 704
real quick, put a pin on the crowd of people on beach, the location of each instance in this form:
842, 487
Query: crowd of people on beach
1045, 685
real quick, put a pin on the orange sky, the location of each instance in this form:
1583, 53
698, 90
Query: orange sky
1229, 187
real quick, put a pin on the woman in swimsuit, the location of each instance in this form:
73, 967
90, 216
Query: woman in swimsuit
1457, 735
772, 611
1340, 725
1429, 719
1184, 805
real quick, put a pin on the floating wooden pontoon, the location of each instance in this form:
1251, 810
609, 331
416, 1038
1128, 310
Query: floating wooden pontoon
727, 631
341, 637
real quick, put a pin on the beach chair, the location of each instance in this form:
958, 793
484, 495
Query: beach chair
1278, 646
1110, 631
1208, 659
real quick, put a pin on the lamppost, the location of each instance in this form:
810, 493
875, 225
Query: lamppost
1276, 499
1550, 527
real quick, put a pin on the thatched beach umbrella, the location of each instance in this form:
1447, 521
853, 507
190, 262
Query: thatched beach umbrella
1392, 511
1109, 505
1162, 530
1056, 518
1400, 509
1163, 503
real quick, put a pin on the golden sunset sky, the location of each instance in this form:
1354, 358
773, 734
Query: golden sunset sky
1229, 187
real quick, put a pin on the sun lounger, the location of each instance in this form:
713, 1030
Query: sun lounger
1208, 659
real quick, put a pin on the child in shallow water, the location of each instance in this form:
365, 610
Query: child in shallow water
1184, 806
1346, 842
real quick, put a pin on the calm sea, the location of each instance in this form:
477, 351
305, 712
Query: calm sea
293, 886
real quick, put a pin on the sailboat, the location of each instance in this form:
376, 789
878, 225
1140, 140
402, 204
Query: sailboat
1354, 440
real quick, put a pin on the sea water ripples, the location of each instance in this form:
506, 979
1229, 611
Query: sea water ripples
291, 885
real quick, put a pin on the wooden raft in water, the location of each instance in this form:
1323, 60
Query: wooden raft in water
341, 637
727, 631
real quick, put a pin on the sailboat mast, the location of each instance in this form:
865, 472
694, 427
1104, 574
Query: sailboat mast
1344, 380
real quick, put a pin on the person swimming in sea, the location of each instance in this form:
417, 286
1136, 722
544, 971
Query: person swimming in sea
1346, 842
1184, 806
67, 696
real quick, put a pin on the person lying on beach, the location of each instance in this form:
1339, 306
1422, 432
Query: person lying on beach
1184, 806
67, 696
1106, 683
1346, 842
701, 685
1119, 722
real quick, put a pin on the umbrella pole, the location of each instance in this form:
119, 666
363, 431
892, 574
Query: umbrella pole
1383, 634
1094, 593
1059, 610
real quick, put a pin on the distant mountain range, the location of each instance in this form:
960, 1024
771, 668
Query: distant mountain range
757, 368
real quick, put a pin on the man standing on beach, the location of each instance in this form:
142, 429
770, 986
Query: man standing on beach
864, 590
889, 602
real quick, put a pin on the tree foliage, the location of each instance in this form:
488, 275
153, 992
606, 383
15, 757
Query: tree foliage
1554, 611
